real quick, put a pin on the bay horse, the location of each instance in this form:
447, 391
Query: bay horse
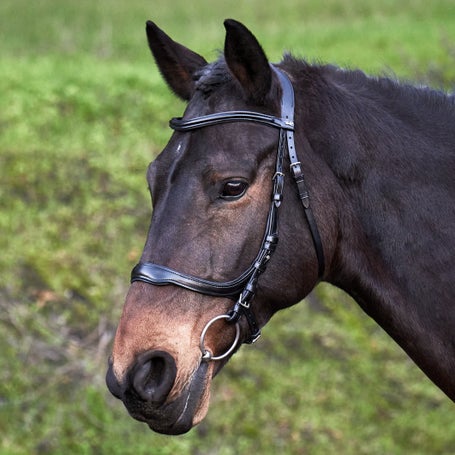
361, 171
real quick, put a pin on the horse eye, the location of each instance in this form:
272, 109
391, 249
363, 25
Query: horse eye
234, 189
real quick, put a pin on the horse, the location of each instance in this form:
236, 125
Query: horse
355, 175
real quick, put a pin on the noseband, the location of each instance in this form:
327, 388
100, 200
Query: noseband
243, 288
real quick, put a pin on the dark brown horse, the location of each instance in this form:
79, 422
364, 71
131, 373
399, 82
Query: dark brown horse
374, 214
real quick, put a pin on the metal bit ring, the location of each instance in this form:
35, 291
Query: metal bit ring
207, 355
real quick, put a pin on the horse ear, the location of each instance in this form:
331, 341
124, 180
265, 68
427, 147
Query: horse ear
176, 63
247, 61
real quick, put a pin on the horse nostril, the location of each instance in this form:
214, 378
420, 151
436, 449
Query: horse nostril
112, 383
154, 375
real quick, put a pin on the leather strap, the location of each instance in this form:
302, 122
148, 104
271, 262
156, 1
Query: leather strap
179, 124
297, 173
160, 275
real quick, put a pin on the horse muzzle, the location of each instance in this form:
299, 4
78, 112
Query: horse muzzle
145, 392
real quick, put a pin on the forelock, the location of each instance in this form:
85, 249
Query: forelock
212, 76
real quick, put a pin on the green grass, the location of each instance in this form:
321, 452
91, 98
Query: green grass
82, 112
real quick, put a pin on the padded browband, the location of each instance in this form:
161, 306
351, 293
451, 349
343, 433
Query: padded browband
179, 124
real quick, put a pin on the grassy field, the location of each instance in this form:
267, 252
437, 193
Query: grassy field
82, 112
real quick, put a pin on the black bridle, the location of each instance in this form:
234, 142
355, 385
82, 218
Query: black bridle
243, 288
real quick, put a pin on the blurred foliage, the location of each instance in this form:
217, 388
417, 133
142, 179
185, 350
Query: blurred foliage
82, 112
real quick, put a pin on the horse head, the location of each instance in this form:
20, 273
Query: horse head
211, 190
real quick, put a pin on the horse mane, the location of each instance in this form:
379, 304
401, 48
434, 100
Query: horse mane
374, 118
401, 90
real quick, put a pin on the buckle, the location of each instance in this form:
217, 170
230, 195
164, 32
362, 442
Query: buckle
295, 167
243, 303
277, 174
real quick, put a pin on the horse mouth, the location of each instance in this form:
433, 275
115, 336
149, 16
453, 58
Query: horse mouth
179, 415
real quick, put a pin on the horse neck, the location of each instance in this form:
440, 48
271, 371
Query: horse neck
394, 188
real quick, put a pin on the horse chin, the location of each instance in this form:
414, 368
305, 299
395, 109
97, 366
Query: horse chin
183, 413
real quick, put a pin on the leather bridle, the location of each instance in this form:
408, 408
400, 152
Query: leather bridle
243, 288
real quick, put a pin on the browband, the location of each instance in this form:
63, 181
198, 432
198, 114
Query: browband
178, 124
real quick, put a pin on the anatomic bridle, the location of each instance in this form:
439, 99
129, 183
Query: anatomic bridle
243, 288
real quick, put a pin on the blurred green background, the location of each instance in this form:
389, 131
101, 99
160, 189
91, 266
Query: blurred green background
82, 112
